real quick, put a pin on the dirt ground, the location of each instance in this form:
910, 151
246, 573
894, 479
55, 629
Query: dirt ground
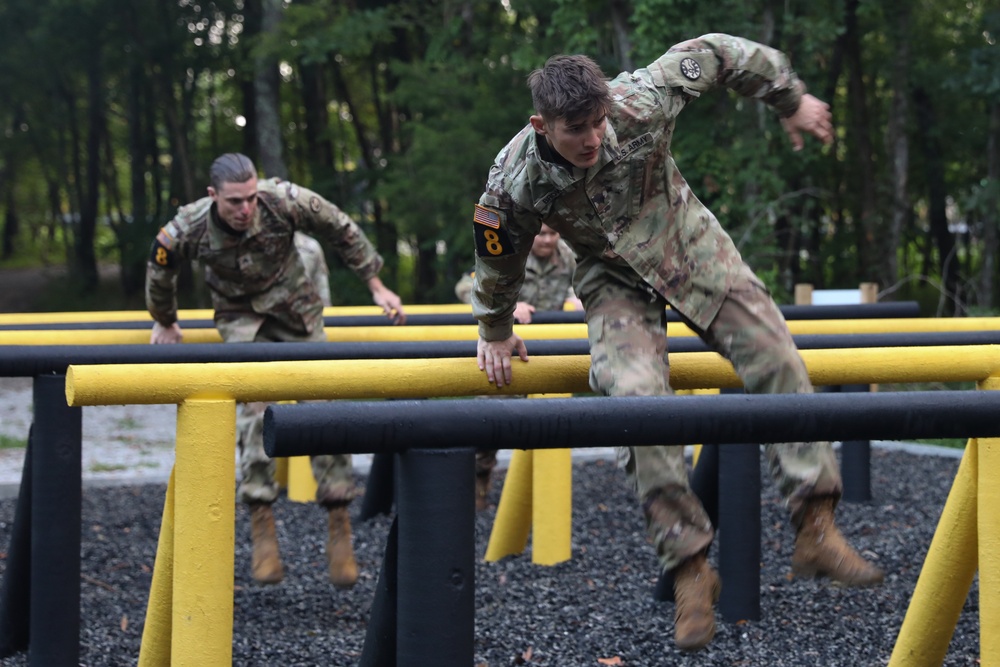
20, 289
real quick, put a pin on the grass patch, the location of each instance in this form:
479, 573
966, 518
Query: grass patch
8, 442
954, 443
107, 467
128, 424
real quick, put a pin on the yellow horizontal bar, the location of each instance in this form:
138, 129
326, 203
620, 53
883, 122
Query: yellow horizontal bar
471, 332
208, 313
417, 378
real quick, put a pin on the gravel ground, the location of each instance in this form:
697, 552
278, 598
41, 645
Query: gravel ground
595, 609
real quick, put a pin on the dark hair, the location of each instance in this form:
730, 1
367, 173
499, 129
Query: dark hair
569, 87
231, 168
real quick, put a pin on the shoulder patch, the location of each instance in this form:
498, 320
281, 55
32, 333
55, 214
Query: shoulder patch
690, 69
162, 252
492, 242
315, 204
486, 216
165, 238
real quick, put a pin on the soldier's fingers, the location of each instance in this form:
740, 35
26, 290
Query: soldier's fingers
507, 374
489, 364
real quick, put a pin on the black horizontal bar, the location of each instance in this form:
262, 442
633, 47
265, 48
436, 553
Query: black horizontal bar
377, 427
33, 360
889, 309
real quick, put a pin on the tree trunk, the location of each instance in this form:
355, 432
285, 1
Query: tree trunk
267, 100
318, 146
10, 222
937, 203
867, 230
131, 244
622, 39
85, 267
898, 148
988, 272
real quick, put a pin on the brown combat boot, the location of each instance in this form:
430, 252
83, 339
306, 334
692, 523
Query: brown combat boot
339, 549
265, 564
822, 551
482, 490
696, 590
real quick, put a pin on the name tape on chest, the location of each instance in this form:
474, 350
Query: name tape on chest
634, 145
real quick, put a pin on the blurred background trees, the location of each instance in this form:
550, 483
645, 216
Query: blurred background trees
112, 110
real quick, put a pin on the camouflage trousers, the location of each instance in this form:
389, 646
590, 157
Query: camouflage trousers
628, 347
334, 474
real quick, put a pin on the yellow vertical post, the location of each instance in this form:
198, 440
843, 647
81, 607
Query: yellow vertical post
945, 577
552, 506
301, 483
281, 472
154, 651
204, 533
989, 543
513, 519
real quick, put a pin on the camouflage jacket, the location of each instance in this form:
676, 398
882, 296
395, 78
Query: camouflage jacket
548, 283
632, 214
258, 273
314, 263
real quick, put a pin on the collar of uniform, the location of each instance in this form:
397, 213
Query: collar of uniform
609, 151
220, 237
548, 173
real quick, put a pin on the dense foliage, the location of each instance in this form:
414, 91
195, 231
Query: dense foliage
111, 111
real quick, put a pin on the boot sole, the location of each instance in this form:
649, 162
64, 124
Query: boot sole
807, 572
691, 647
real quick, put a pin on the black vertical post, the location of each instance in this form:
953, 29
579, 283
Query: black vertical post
705, 481
55, 526
436, 560
380, 637
15, 595
855, 461
704, 484
379, 492
739, 532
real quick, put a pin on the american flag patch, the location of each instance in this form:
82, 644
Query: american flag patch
165, 239
486, 216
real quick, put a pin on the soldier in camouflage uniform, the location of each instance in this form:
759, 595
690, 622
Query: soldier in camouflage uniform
548, 285
243, 234
595, 164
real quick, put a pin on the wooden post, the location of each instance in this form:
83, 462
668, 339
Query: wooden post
803, 294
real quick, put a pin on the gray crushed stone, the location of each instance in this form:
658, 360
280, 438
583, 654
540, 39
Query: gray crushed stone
591, 610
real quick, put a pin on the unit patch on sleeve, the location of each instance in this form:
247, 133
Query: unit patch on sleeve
691, 69
491, 239
162, 253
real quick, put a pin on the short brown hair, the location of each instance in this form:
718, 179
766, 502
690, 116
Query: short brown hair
231, 168
569, 87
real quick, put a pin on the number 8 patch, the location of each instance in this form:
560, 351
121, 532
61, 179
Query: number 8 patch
491, 239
